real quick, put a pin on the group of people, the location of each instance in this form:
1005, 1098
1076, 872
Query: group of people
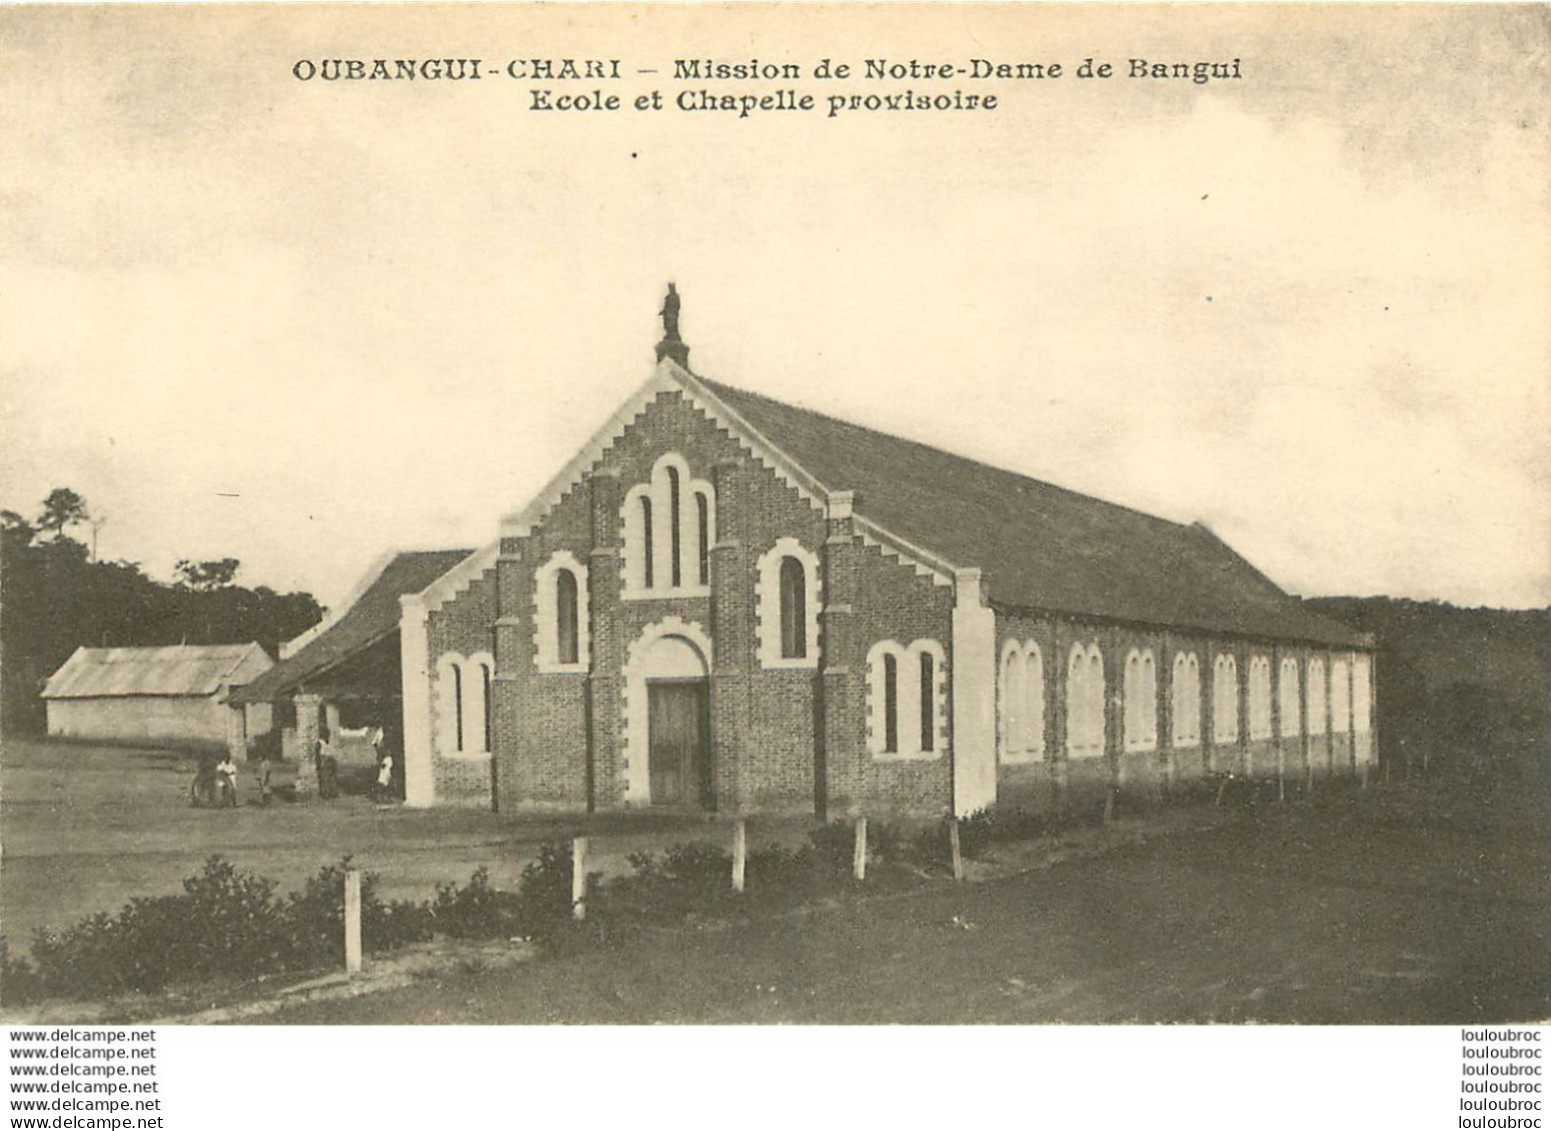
327, 765
215, 783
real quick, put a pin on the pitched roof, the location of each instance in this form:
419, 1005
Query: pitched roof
175, 670
373, 615
1039, 546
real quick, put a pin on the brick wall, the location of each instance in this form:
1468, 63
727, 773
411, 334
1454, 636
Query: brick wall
1057, 782
463, 625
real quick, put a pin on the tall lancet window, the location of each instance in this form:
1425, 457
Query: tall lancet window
703, 526
566, 628
646, 539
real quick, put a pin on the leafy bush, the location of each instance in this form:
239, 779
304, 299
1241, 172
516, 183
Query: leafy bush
315, 918
225, 923
833, 846
476, 910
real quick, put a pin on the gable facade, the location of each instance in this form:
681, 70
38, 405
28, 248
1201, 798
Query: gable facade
690, 617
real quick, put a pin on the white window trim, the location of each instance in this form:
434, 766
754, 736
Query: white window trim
445, 715
1314, 704
1362, 695
1340, 698
1033, 748
1260, 728
1087, 654
633, 575
1146, 708
907, 701
1290, 693
767, 606
1225, 724
1191, 737
545, 610
474, 705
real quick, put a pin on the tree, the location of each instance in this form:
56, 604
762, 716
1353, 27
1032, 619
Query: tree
17, 531
62, 508
206, 577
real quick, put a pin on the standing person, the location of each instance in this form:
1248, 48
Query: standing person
226, 776
266, 787
328, 767
385, 779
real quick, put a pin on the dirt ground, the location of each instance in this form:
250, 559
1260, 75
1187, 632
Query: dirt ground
1396, 907
1407, 903
84, 828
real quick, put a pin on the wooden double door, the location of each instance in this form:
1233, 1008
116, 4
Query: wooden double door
679, 744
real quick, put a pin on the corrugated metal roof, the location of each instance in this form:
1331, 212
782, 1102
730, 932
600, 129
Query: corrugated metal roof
177, 669
374, 615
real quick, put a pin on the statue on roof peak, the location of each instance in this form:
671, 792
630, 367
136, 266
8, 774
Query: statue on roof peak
672, 345
670, 315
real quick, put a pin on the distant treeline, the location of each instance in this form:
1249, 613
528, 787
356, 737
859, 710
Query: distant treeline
1466, 689
55, 598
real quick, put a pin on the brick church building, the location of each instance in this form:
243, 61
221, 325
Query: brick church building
727, 602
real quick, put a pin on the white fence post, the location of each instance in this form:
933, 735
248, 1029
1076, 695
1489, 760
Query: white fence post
353, 920
859, 857
579, 877
740, 848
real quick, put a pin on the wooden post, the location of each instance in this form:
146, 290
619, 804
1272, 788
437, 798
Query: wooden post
740, 849
352, 920
579, 877
859, 857
953, 848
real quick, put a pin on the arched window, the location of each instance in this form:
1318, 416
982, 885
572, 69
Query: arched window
703, 527
1316, 696
1289, 707
648, 552
675, 561
787, 605
1085, 702
1259, 698
927, 695
457, 705
1340, 698
890, 704
484, 680
669, 527
906, 699
1186, 700
1362, 695
560, 614
1141, 701
794, 609
1225, 701
567, 633
1014, 696
473, 708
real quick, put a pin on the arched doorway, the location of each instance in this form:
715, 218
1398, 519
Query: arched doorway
668, 686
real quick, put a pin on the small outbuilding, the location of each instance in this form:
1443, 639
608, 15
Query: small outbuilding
174, 695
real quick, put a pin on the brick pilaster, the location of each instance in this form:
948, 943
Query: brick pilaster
605, 784
732, 635
838, 773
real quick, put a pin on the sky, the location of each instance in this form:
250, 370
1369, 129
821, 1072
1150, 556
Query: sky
303, 323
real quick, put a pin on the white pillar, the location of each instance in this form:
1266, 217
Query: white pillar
974, 696
415, 665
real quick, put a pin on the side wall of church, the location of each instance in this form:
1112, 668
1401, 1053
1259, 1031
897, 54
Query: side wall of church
1148, 754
